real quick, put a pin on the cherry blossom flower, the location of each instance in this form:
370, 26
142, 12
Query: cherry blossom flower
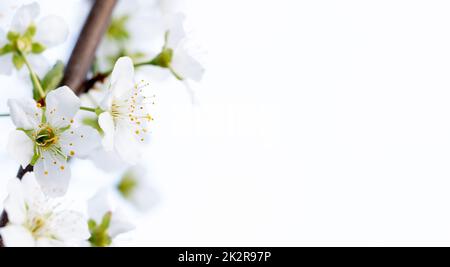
46, 139
26, 37
126, 36
106, 219
35, 220
125, 118
134, 186
108, 161
176, 55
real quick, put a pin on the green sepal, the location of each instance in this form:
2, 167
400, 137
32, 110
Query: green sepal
92, 225
99, 232
30, 31
163, 59
106, 220
29, 133
37, 48
12, 36
117, 29
8, 48
18, 61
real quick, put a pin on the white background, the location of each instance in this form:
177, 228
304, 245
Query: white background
319, 123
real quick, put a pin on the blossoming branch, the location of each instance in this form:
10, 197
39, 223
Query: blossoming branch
110, 123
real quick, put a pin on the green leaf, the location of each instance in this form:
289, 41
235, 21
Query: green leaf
37, 48
36, 94
53, 77
18, 61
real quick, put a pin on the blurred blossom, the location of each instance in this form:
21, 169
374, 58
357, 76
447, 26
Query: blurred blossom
106, 219
135, 187
29, 39
35, 220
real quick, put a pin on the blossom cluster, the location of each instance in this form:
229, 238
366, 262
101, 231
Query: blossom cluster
111, 122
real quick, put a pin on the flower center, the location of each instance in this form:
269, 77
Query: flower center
36, 225
127, 185
46, 137
115, 110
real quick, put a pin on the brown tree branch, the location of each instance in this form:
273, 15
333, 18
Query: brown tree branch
84, 52
80, 60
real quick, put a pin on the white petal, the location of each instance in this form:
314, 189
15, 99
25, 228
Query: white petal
52, 31
100, 204
79, 142
32, 192
104, 202
105, 50
24, 16
171, 6
62, 105
48, 242
71, 226
119, 224
39, 63
107, 161
191, 93
20, 147
126, 145
106, 122
144, 197
6, 64
17, 236
107, 101
186, 66
24, 113
122, 77
15, 202
52, 174
176, 30
3, 39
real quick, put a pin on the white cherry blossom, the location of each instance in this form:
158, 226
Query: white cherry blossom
30, 38
108, 161
106, 219
46, 139
135, 187
181, 61
126, 118
35, 220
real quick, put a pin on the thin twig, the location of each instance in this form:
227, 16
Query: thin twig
80, 60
